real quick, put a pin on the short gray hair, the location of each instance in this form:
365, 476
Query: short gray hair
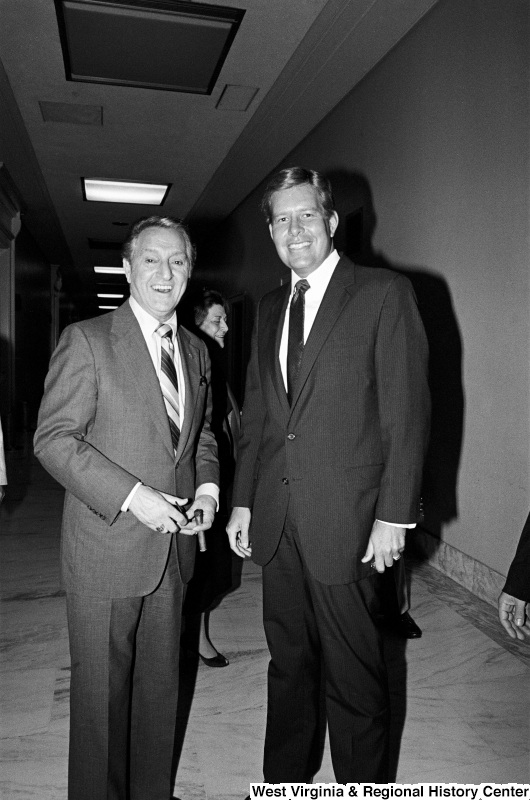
157, 222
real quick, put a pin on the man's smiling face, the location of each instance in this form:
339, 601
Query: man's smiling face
158, 271
300, 228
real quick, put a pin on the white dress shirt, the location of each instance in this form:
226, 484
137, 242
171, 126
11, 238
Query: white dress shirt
148, 326
318, 282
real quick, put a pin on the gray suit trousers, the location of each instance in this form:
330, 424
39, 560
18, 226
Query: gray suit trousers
124, 688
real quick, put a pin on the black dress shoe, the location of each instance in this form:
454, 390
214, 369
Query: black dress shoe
405, 626
219, 660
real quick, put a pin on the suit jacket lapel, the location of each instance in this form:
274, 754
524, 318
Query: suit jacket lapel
133, 353
333, 302
272, 326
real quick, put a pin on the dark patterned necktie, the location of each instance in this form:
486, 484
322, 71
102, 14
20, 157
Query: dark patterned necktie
169, 381
295, 343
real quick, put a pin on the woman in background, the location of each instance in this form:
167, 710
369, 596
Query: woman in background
3, 473
213, 568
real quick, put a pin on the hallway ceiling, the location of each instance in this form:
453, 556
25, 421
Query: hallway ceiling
290, 63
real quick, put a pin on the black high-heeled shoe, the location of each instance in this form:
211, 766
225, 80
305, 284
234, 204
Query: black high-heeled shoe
216, 661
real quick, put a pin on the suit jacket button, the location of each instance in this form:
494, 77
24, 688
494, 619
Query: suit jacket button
285, 481
291, 436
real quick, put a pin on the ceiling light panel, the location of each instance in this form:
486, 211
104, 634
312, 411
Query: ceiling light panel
104, 191
109, 270
156, 44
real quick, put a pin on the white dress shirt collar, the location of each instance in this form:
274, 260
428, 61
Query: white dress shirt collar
148, 323
321, 276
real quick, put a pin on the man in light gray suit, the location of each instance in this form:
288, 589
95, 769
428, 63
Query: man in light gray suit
334, 430
127, 551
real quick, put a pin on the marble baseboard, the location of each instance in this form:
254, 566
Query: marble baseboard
483, 581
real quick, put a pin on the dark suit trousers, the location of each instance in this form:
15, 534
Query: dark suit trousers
311, 627
123, 699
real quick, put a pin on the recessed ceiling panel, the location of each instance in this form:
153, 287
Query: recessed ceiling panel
156, 44
73, 113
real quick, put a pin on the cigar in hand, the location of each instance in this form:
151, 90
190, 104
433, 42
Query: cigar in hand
198, 517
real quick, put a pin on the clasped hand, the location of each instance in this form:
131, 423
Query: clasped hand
158, 511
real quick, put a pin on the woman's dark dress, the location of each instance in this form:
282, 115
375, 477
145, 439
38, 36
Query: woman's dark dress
212, 577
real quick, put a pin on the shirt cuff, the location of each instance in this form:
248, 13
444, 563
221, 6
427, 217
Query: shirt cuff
209, 488
127, 502
408, 525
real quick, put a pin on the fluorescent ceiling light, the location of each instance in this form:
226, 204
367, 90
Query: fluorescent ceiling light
103, 191
110, 270
110, 296
110, 308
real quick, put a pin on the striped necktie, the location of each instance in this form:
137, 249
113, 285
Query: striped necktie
169, 382
295, 341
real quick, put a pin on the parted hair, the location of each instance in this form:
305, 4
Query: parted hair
298, 176
157, 222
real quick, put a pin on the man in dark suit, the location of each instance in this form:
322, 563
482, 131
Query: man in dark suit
516, 593
125, 457
335, 424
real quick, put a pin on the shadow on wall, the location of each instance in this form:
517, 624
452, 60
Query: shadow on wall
353, 199
221, 266
220, 254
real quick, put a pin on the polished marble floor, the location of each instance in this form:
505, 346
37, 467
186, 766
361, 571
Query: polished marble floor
461, 694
